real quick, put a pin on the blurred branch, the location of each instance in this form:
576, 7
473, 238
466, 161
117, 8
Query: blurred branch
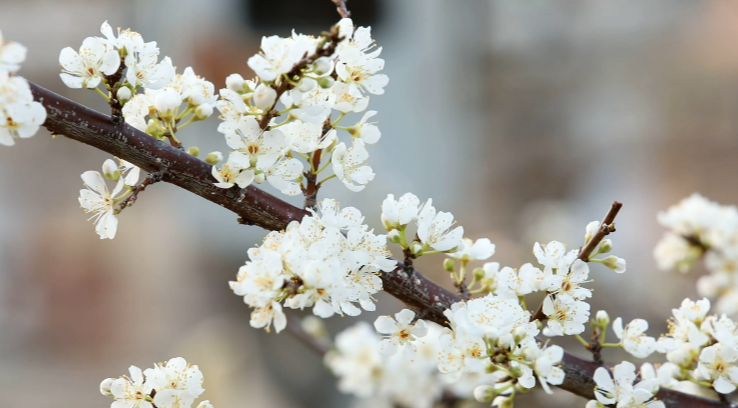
429, 300
341, 8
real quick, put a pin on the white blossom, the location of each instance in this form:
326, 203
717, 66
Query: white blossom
400, 212
434, 229
633, 339
12, 55
348, 164
279, 56
717, 365
478, 250
565, 315
87, 68
400, 331
100, 201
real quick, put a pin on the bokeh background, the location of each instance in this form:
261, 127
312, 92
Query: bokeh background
523, 118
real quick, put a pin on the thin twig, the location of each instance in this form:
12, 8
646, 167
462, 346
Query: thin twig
295, 328
342, 9
606, 227
152, 178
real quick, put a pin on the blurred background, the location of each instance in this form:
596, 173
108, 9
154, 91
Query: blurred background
525, 119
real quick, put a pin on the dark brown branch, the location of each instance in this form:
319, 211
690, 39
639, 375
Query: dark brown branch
342, 9
429, 300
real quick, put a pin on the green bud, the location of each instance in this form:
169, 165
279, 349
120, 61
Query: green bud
193, 151
394, 236
416, 248
484, 393
516, 372
449, 265
214, 158
478, 274
615, 263
326, 82
155, 128
602, 319
605, 246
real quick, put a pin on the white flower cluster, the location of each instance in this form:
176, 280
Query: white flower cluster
700, 349
307, 90
619, 389
99, 58
328, 261
97, 199
698, 226
388, 379
163, 105
174, 384
495, 335
434, 228
20, 116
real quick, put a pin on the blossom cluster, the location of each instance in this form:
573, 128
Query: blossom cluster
286, 111
328, 261
20, 115
434, 229
388, 379
619, 388
172, 384
96, 198
99, 58
697, 227
700, 349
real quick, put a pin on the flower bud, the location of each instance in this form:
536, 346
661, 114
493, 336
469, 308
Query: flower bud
449, 265
516, 371
684, 355
315, 327
235, 82
193, 151
502, 402
326, 82
306, 85
203, 111
478, 274
123, 95
105, 386
416, 248
519, 333
605, 246
259, 178
602, 319
615, 263
394, 236
214, 158
205, 404
591, 230
110, 169
167, 101
389, 226
264, 97
154, 128
484, 393
323, 66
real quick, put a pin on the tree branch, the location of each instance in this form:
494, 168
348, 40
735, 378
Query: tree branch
77, 122
342, 9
